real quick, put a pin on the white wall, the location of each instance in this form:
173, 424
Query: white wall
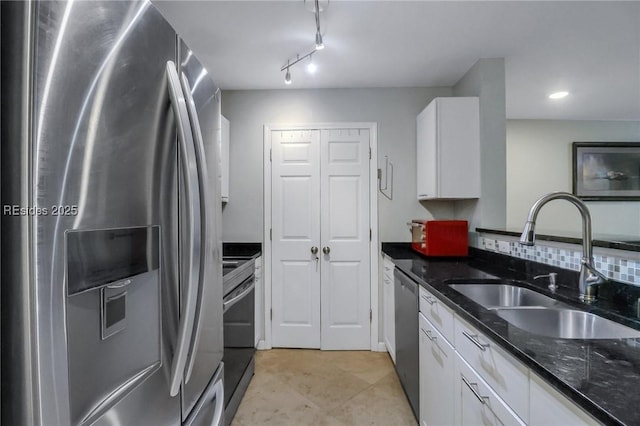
395, 111
539, 160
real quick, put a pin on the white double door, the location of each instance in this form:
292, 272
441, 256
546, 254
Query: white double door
320, 239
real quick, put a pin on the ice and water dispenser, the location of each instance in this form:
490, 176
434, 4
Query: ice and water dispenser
113, 313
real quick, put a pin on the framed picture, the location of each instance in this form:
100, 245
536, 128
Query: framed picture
606, 170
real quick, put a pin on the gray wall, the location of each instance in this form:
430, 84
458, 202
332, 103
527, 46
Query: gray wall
539, 160
486, 79
395, 111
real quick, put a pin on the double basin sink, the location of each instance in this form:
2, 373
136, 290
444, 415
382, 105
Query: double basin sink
539, 314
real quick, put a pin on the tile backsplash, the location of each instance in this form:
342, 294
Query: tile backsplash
616, 267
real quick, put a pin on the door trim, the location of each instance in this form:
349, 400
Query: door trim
374, 246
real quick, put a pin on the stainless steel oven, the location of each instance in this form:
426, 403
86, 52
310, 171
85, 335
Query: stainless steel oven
239, 330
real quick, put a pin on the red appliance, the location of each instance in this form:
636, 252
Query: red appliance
440, 237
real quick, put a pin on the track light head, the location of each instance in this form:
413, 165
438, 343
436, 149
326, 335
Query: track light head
287, 77
319, 42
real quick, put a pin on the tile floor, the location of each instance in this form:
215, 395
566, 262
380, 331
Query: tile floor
310, 387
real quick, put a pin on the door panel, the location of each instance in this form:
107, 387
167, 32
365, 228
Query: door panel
296, 215
344, 204
345, 280
297, 294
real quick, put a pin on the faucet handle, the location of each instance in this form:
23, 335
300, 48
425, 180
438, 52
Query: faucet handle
552, 280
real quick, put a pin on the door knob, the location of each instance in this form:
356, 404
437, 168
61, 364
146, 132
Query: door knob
326, 250
314, 250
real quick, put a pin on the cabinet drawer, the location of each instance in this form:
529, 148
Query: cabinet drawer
440, 315
507, 376
550, 408
479, 404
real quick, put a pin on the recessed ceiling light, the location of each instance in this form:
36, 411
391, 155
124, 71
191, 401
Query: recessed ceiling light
558, 95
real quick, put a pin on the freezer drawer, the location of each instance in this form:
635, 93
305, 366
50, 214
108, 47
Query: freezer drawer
209, 410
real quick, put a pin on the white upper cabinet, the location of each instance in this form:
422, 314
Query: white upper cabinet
224, 159
448, 149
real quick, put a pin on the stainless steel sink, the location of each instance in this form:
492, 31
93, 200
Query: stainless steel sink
539, 314
566, 324
496, 296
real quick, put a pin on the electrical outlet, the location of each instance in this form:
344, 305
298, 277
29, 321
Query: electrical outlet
489, 244
504, 247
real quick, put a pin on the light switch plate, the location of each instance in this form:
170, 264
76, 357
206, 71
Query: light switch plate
503, 247
489, 244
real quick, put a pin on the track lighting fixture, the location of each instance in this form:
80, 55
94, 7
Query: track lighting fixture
311, 67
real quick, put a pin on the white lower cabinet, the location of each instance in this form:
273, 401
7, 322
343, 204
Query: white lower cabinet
389, 320
259, 302
550, 408
507, 376
437, 362
466, 379
478, 404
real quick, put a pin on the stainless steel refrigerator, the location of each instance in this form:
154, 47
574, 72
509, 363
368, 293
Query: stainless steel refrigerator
111, 295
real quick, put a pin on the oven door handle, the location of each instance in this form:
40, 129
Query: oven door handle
229, 303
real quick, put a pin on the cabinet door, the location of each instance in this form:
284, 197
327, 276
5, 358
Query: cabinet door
448, 149
550, 408
507, 376
477, 403
389, 316
259, 301
458, 149
426, 153
437, 363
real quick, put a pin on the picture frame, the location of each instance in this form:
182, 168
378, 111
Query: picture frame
606, 171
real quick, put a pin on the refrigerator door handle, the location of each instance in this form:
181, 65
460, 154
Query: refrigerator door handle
218, 389
214, 393
185, 137
203, 181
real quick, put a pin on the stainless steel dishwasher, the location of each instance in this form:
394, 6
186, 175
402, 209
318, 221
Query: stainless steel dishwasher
407, 350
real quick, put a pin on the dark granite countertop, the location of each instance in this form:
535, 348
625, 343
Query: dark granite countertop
601, 376
241, 249
618, 242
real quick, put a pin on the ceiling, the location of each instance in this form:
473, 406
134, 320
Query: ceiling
590, 49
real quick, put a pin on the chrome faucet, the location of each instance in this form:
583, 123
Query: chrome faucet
590, 278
